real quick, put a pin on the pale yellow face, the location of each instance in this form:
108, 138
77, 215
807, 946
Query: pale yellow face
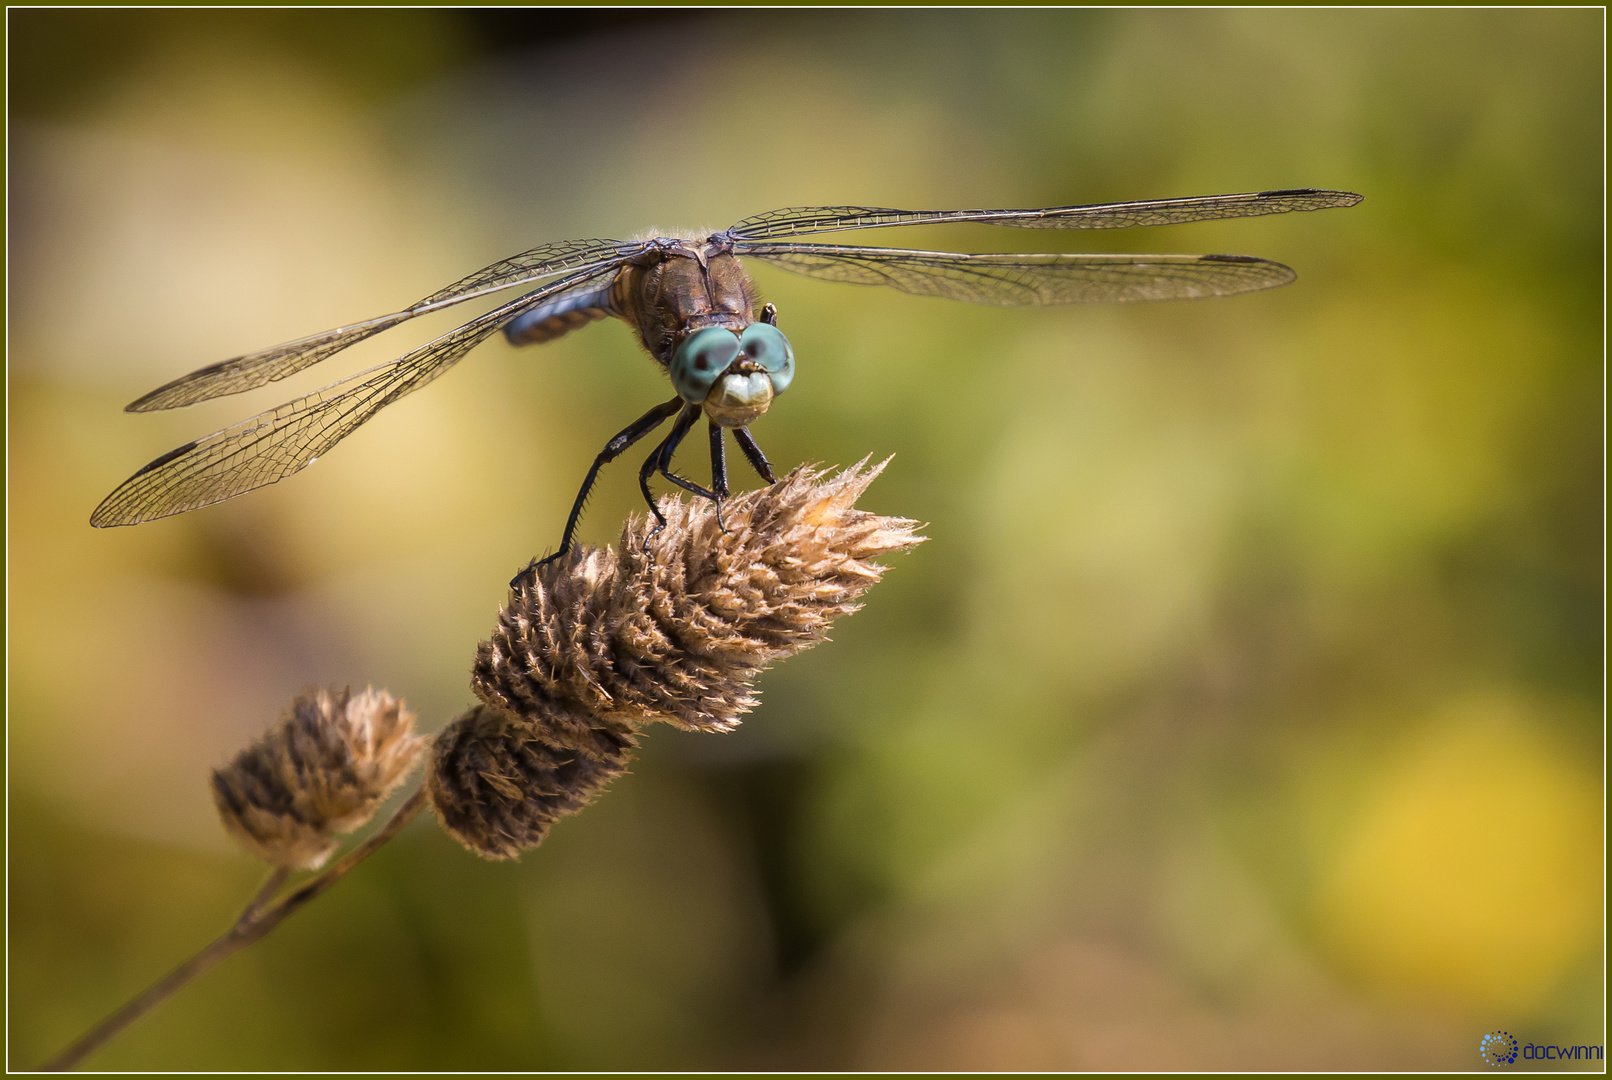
739, 397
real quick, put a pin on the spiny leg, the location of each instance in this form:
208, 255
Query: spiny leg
670, 445
758, 460
659, 459
719, 462
719, 470
613, 449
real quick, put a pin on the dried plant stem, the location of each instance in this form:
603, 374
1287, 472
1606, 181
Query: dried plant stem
264, 894
257, 919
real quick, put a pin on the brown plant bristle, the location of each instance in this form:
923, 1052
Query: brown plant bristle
605, 641
320, 772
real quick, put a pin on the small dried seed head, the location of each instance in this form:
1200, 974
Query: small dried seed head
601, 643
322, 771
497, 785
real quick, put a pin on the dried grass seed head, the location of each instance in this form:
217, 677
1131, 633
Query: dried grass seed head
614, 640
605, 642
497, 786
320, 772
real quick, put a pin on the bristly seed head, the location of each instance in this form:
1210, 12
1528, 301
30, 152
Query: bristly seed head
497, 785
322, 771
604, 642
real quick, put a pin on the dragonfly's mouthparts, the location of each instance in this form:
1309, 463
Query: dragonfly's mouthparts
739, 396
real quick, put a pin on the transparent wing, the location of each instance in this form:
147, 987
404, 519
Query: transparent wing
797, 221
252, 370
274, 444
1029, 280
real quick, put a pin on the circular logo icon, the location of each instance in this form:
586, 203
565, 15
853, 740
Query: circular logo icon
1498, 1048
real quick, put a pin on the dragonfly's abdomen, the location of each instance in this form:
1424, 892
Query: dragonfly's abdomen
561, 315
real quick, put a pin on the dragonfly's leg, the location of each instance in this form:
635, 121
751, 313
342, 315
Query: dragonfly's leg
719, 463
719, 470
617, 446
758, 460
769, 314
679, 430
659, 459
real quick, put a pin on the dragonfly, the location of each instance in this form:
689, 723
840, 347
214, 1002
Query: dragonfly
697, 313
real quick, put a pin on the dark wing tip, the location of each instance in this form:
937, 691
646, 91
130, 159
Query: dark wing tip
114, 509
163, 397
1323, 198
1279, 273
176, 452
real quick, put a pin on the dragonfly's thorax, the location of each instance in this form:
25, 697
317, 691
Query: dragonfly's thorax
669, 294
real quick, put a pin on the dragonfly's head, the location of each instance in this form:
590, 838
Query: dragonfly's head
735, 376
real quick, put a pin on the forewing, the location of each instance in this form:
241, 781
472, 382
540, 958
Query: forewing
272, 445
800, 220
1029, 280
252, 370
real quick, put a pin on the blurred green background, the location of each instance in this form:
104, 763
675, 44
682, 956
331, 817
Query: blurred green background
1242, 711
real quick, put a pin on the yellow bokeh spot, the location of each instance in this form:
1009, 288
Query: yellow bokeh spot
1471, 874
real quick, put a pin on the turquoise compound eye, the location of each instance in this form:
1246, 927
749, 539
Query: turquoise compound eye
767, 346
700, 359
